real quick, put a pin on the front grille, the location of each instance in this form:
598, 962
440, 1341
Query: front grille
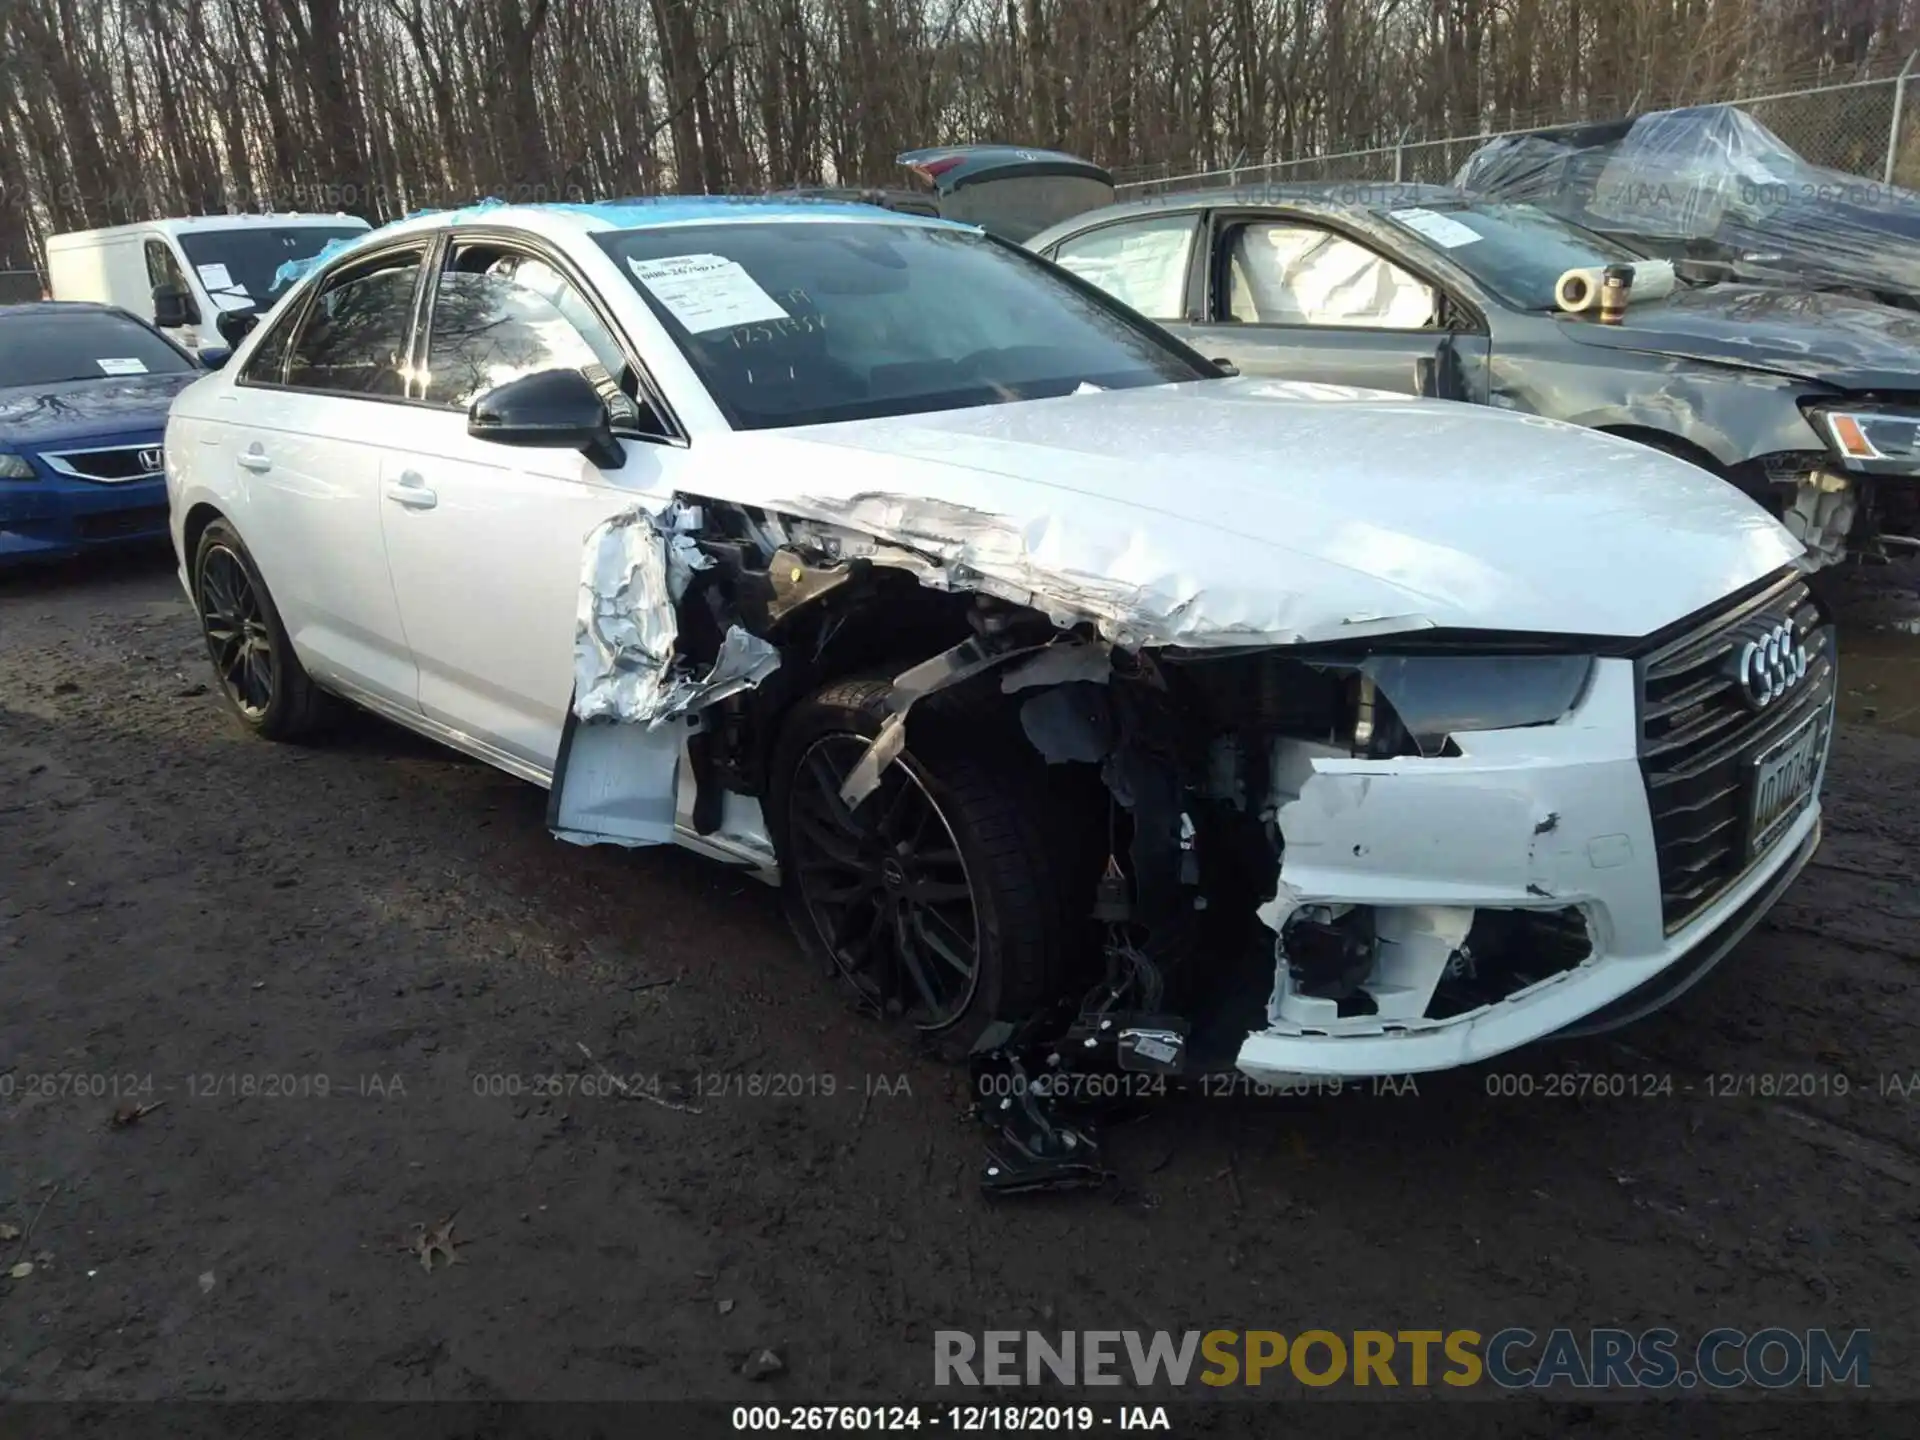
114, 524
1699, 737
109, 464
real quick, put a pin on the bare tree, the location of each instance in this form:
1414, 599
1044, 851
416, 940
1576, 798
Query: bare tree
112, 110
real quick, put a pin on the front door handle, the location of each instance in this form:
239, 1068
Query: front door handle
411, 491
256, 460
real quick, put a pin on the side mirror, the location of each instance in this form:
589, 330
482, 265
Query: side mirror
173, 306
1227, 367
557, 409
235, 325
214, 358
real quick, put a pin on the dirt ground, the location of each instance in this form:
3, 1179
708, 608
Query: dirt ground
223, 928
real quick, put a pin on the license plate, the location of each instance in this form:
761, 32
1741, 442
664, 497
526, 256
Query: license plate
1783, 776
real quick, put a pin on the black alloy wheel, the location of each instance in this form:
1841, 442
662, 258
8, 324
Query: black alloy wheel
239, 636
885, 883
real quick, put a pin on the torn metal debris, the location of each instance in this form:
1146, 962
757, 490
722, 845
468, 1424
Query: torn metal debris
1366, 853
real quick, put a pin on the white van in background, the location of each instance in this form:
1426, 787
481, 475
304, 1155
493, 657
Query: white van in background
224, 262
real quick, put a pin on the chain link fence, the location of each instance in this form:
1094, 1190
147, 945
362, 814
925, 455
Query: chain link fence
1866, 127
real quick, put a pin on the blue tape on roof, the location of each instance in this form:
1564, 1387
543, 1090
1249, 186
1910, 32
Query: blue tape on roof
640, 212
292, 270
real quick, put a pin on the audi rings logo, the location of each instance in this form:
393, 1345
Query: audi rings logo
1770, 665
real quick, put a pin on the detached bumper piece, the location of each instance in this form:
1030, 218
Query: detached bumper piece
1039, 1091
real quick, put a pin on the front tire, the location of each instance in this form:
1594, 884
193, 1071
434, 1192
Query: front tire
262, 680
946, 896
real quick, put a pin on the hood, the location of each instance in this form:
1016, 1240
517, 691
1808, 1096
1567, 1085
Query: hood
1811, 335
40, 415
1252, 511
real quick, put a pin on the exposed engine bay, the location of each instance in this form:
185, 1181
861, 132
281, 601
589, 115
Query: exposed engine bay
1189, 773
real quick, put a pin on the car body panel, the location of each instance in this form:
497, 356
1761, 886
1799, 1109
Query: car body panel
486, 572
301, 476
1257, 540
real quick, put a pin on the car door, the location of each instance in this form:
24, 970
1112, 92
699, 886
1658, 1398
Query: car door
308, 412
1299, 300
485, 542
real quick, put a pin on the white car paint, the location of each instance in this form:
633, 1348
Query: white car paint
1209, 514
1241, 509
1545, 817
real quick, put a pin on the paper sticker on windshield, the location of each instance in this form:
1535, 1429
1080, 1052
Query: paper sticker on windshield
1442, 230
127, 366
231, 300
216, 277
707, 292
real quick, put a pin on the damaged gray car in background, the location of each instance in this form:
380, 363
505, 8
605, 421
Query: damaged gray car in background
1089, 706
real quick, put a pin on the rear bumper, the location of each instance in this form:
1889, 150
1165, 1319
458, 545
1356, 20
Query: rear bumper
52, 518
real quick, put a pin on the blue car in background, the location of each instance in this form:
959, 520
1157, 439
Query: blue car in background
84, 391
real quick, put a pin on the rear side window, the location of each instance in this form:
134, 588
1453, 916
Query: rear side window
354, 338
1142, 264
53, 343
268, 363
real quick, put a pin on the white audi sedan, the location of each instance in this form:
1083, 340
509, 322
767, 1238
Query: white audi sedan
1045, 665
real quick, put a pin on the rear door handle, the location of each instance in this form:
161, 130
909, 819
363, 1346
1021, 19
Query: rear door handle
256, 460
411, 491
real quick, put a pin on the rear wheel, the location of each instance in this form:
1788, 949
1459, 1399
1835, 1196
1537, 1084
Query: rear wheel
260, 676
943, 896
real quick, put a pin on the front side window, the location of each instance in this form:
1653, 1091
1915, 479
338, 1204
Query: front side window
499, 315
806, 322
1286, 274
47, 346
1141, 263
161, 266
354, 338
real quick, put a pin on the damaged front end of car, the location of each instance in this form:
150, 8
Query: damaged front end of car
1309, 852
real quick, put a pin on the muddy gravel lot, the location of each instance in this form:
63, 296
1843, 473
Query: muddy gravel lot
269, 1016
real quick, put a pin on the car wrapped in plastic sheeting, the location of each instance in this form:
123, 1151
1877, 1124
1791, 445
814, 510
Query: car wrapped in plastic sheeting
1711, 183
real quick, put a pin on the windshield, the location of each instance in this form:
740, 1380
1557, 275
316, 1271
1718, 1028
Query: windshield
43, 347
237, 266
1516, 251
812, 321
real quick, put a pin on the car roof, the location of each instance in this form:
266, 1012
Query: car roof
42, 308
560, 222
189, 224
1333, 198
648, 212
1328, 195
911, 201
